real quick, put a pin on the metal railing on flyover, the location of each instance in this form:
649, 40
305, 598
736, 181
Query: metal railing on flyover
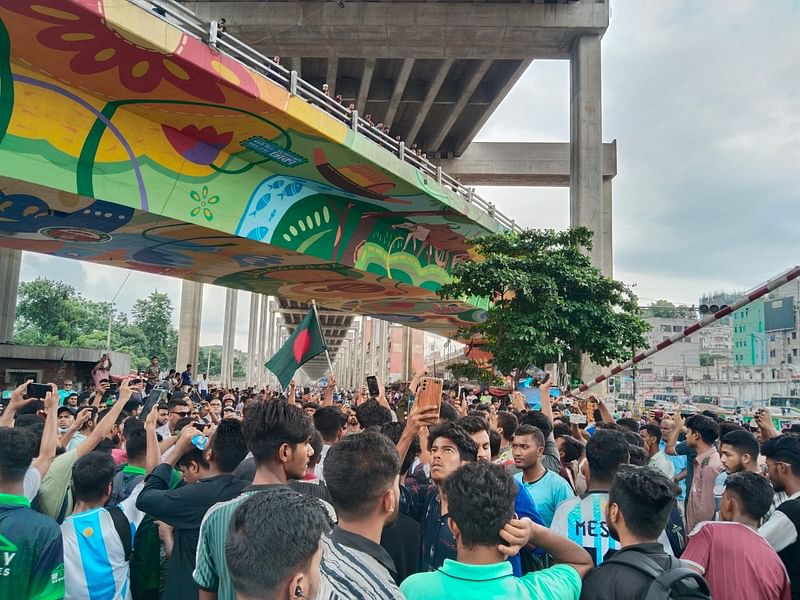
215, 36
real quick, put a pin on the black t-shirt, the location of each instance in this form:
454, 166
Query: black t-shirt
612, 581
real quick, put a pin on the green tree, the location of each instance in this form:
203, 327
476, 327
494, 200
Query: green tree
214, 367
53, 313
665, 309
547, 300
153, 317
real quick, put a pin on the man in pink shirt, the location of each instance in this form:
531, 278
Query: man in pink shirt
735, 560
701, 433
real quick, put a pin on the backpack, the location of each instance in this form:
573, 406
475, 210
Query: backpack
673, 583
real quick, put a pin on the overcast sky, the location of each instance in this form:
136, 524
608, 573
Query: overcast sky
703, 99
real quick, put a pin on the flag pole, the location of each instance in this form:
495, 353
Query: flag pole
319, 325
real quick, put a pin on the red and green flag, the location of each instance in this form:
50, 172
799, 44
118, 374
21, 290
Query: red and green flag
305, 343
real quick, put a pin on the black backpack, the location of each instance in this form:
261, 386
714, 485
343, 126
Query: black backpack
673, 583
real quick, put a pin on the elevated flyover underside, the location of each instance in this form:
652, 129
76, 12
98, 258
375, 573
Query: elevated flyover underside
431, 71
128, 142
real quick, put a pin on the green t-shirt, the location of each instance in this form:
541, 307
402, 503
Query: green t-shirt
55, 485
31, 552
460, 581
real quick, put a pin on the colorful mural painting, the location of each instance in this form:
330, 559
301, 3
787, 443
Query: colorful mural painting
125, 141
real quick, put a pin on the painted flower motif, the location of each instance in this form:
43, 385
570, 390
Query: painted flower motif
205, 201
98, 48
200, 146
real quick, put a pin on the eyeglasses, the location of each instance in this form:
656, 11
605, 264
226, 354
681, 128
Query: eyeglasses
181, 414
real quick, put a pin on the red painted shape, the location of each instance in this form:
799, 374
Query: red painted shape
301, 345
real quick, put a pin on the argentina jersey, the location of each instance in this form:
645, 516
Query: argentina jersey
94, 558
583, 521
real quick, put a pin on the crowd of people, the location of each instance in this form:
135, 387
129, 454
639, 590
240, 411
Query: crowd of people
151, 488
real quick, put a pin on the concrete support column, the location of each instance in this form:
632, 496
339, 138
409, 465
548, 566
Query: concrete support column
10, 262
191, 312
261, 357
229, 335
586, 137
252, 336
608, 252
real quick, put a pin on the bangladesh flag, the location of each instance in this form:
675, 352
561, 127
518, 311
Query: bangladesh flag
305, 343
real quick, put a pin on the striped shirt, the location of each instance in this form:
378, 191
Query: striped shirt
94, 557
737, 562
355, 568
211, 571
583, 521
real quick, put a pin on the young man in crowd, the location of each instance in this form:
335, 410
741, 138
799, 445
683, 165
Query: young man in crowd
738, 452
178, 408
734, 559
290, 545
55, 494
678, 461
208, 479
98, 542
31, 553
277, 434
480, 570
547, 488
186, 379
639, 503
506, 426
651, 434
524, 506
331, 423
701, 433
781, 531
362, 475
450, 447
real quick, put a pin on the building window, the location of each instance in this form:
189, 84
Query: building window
666, 328
677, 328
772, 353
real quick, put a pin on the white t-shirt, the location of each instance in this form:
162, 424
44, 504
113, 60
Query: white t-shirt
94, 559
31, 483
318, 469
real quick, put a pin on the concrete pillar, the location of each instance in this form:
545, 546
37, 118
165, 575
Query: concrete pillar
586, 137
229, 335
263, 327
252, 336
10, 262
608, 251
189, 325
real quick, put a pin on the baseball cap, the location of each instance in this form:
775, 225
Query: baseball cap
68, 409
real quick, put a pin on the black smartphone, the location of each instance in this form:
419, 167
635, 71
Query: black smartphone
134, 382
372, 386
306, 391
112, 388
38, 390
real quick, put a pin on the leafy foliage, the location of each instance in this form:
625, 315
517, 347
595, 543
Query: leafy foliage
52, 313
547, 300
214, 366
472, 371
153, 317
665, 309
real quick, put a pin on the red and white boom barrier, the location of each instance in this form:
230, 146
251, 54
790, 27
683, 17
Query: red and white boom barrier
762, 290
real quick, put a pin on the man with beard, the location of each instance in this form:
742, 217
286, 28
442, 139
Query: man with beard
362, 473
738, 452
782, 529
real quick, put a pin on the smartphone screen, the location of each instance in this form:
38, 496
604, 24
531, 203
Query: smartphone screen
532, 397
38, 390
372, 386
